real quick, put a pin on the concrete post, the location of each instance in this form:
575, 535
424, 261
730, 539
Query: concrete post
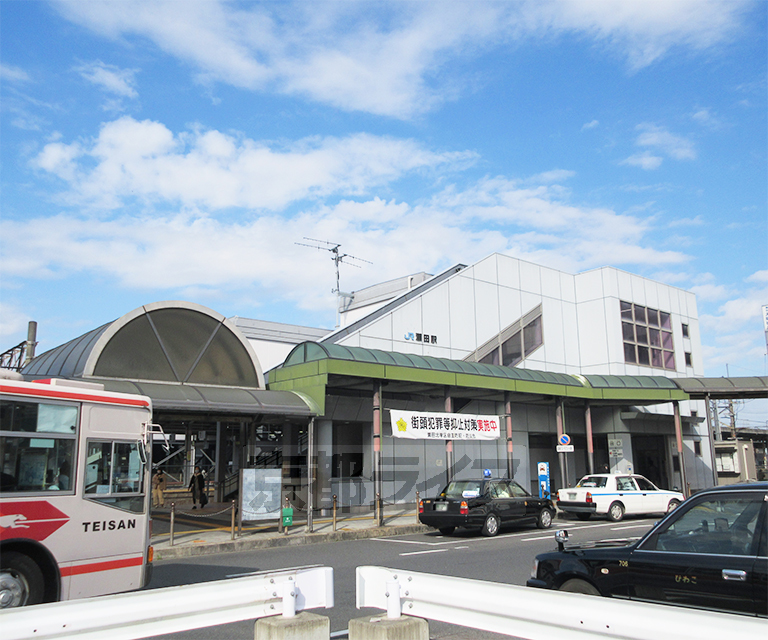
508, 421
377, 420
448, 443
383, 628
590, 441
303, 626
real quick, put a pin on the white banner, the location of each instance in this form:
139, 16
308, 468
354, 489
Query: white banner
420, 425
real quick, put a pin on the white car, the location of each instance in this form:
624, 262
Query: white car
615, 495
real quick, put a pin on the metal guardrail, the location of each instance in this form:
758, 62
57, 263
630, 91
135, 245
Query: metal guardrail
538, 614
172, 609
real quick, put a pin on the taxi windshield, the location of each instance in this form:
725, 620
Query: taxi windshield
592, 481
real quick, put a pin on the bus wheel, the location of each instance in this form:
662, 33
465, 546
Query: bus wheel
21, 581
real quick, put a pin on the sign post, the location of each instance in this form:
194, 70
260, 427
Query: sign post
564, 446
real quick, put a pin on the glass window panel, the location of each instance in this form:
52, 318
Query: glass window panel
629, 353
626, 310
654, 337
669, 360
719, 525
643, 357
512, 350
36, 464
98, 467
653, 317
640, 314
491, 358
666, 339
39, 418
688, 361
685, 331
56, 418
656, 358
628, 331
642, 334
127, 468
532, 336
665, 320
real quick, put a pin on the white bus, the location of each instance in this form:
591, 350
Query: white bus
74, 491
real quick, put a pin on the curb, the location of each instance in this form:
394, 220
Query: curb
202, 549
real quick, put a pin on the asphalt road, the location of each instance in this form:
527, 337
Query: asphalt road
506, 558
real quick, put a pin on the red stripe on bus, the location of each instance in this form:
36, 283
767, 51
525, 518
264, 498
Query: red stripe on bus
69, 395
101, 566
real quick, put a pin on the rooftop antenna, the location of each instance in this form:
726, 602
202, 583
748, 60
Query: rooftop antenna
337, 258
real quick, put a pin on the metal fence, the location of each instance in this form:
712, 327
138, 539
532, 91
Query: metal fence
538, 614
173, 609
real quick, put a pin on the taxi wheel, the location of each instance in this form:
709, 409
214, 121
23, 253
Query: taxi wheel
673, 504
446, 531
491, 526
544, 520
21, 581
615, 512
574, 585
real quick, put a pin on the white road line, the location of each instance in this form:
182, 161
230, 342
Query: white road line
416, 553
632, 526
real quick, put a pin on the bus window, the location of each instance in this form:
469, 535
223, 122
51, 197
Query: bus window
114, 474
37, 446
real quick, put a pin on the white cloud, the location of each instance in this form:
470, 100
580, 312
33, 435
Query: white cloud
707, 119
659, 138
120, 82
590, 125
11, 73
131, 159
384, 58
643, 160
12, 319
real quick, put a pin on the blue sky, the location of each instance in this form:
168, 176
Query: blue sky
179, 150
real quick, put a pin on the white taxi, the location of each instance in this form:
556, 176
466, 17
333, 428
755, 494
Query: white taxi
615, 495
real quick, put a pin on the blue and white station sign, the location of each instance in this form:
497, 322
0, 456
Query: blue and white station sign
544, 485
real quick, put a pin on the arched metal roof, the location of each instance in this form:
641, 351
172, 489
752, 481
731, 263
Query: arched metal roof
175, 342
184, 356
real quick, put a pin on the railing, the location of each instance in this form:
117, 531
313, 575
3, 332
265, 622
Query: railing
173, 609
539, 614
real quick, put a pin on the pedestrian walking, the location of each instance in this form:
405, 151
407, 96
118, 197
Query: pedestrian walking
197, 487
158, 488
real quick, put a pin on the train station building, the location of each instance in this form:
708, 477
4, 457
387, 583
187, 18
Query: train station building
607, 360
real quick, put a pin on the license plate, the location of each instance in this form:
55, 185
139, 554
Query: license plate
571, 496
441, 506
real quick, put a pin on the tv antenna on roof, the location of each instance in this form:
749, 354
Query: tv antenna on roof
337, 258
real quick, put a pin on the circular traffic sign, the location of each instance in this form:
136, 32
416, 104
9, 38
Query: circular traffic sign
564, 439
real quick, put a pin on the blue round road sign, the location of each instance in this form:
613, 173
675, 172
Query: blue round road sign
564, 439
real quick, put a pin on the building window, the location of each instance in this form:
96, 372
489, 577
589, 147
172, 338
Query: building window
518, 341
688, 361
647, 336
685, 331
697, 448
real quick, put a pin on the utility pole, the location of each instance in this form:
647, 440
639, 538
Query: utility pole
337, 258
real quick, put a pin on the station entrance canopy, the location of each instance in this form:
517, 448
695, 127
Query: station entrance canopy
187, 358
317, 369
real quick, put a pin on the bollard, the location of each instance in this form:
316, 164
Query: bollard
418, 507
173, 520
393, 600
334, 512
233, 520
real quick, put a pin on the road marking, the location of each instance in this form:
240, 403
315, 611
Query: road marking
631, 526
416, 553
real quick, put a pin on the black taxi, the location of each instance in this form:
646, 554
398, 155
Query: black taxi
711, 552
486, 504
